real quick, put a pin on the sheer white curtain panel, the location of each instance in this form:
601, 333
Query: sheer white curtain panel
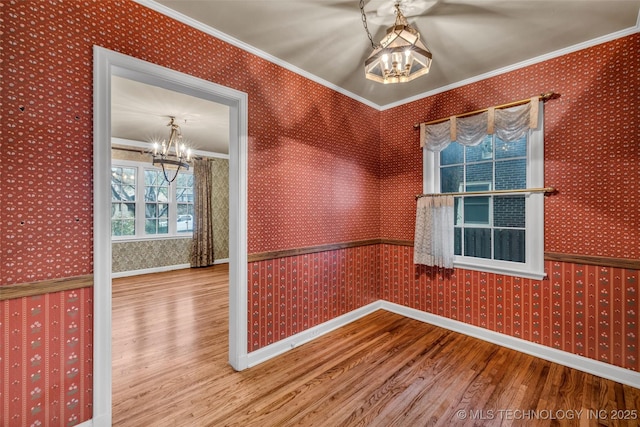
433, 240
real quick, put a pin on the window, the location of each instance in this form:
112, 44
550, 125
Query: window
501, 232
156, 202
184, 200
144, 205
123, 201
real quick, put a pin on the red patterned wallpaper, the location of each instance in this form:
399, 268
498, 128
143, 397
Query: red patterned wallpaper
292, 294
46, 359
586, 310
313, 153
592, 147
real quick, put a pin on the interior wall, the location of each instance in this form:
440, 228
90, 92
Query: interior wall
313, 167
586, 310
149, 254
291, 294
313, 173
592, 158
220, 207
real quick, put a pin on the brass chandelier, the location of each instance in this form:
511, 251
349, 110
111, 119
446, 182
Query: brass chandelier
172, 154
400, 56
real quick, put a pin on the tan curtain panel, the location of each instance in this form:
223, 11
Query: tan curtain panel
202, 246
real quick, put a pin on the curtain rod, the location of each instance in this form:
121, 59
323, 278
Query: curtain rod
142, 151
132, 150
483, 193
543, 97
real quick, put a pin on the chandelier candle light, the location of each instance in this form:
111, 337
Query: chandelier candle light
400, 57
172, 154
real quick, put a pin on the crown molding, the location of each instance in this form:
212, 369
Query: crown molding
522, 64
151, 4
146, 147
251, 49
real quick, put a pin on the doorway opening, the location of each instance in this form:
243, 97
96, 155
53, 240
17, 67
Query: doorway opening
108, 64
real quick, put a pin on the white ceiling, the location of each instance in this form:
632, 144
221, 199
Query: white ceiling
468, 38
325, 40
141, 112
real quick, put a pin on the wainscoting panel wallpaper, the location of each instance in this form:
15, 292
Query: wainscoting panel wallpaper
590, 311
289, 295
46, 365
143, 254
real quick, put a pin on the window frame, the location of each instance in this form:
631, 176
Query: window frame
140, 205
533, 267
134, 202
189, 204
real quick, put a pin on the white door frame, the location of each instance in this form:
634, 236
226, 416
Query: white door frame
105, 64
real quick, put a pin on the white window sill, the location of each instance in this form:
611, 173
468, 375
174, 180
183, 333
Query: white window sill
536, 275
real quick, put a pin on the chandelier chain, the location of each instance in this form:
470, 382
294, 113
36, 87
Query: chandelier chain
364, 24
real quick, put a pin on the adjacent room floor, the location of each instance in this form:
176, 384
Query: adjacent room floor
170, 345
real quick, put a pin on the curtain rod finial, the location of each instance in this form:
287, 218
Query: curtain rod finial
549, 95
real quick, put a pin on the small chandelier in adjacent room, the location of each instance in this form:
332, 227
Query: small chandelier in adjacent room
172, 154
400, 56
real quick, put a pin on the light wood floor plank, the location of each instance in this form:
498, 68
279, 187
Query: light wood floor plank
170, 345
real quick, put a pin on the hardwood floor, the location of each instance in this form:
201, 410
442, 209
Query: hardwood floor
170, 344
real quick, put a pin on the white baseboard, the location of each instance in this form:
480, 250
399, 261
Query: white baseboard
581, 363
584, 364
277, 348
129, 273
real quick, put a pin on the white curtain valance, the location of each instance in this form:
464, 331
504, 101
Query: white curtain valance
437, 135
472, 130
512, 123
509, 124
